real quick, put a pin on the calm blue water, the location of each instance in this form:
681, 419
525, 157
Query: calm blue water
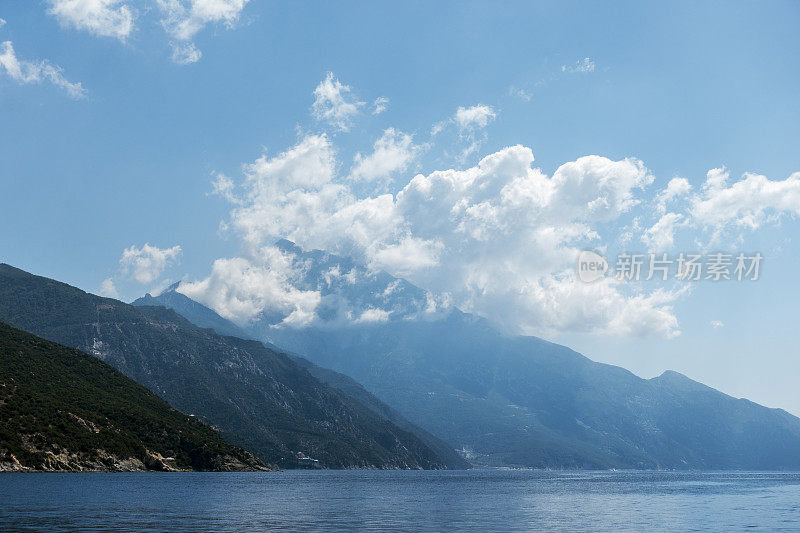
478, 500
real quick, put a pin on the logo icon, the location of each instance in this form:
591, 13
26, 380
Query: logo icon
591, 266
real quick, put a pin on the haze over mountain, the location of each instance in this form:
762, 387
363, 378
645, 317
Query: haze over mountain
260, 399
63, 410
514, 400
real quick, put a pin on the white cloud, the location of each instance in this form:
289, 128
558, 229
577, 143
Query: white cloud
499, 239
146, 264
660, 237
716, 179
2, 22
293, 193
438, 128
676, 188
108, 289
471, 148
392, 152
746, 204
240, 289
183, 20
185, 53
597, 187
223, 186
470, 121
721, 211
334, 104
477, 116
25, 72
584, 65
716, 324
379, 105
407, 256
106, 18
372, 315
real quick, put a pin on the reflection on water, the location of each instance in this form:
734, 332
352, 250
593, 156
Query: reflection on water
476, 500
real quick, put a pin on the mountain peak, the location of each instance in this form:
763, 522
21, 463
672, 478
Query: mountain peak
673, 375
172, 288
288, 246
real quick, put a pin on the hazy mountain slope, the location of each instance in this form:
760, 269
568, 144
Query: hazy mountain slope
354, 390
512, 400
61, 409
261, 399
205, 317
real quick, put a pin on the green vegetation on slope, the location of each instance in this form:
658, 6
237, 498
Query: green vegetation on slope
61, 409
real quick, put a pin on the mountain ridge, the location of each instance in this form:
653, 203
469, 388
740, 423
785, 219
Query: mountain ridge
259, 398
519, 401
202, 316
63, 410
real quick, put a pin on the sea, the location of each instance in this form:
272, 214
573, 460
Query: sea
377, 500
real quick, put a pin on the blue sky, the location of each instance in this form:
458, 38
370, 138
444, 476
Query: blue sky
130, 157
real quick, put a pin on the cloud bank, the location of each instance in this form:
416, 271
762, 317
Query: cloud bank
498, 238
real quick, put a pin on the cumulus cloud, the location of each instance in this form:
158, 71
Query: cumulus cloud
407, 256
660, 236
290, 190
372, 315
106, 18
499, 238
676, 188
477, 116
240, 289
392, 152
581, 66
108, 289
146, 264
744, 205
25, 72
721, 211
334, 103
716, 324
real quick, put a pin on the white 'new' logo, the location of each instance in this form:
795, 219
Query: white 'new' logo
591, 266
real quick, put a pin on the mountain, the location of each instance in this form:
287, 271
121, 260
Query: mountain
260, 399
354, 390
202, 316
514, 400
61, 409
